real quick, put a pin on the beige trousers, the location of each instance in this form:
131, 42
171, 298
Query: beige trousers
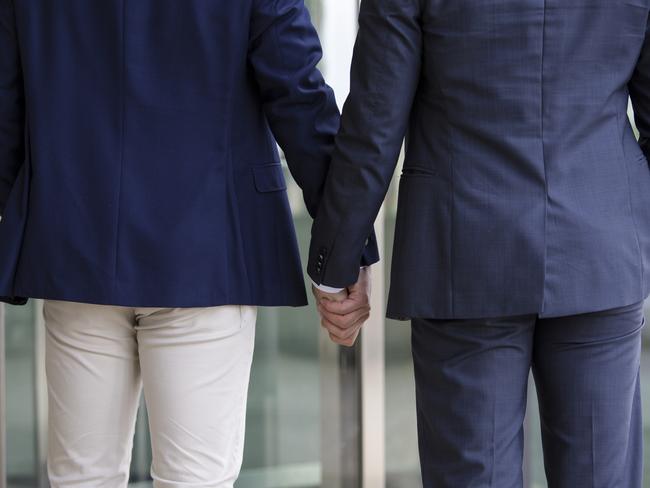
194, 365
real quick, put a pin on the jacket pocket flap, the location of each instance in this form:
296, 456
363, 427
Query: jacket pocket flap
269, 177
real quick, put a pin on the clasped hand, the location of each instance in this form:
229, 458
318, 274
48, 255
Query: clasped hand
343, 314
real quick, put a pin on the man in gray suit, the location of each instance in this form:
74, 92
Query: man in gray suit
523, 227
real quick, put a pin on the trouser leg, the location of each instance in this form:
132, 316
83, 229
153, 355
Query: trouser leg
471, 387
586, 369
93, 381
196, 367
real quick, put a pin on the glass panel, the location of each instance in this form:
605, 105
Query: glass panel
402, 463
22, 463
283, 426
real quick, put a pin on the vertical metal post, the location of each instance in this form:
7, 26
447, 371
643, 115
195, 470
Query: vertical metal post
40, 395
341, 415
353, 442
3, 404
341, 382
373, 377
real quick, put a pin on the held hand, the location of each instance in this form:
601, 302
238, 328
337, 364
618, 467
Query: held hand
343, 317
333, 297
323, 297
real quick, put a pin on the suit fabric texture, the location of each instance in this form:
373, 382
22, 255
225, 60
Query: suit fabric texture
523, 224
138, 155
524, 189
472, 381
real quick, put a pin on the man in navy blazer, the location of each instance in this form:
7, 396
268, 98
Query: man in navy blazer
523, 225
142, 196
138, 156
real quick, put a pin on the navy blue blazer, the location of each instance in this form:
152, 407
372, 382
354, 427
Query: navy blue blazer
138, 156
524, 189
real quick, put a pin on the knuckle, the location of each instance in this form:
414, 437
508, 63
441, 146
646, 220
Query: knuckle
344, 324
338, 321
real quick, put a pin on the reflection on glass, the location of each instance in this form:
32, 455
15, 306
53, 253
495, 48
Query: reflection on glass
283, 426
22, 463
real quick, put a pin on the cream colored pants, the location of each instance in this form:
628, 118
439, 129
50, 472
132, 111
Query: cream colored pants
194, 365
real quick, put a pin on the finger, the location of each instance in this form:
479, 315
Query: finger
345, 342
338, 331
345, 333
349, 342
359, 322
344, 321
345, 307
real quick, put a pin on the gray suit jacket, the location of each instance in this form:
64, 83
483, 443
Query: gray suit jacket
524, 189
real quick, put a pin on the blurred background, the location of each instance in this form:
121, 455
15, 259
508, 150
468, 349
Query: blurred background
289, 443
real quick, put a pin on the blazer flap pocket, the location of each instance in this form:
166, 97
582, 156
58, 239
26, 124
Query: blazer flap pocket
269, 177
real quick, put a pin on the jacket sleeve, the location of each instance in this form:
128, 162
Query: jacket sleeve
12, 107
284, 52
385, 74
639, 87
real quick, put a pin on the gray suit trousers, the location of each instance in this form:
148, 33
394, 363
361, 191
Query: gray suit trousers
471, 385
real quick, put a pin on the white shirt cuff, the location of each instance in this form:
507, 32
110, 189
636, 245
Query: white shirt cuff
327, 289
330, 289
